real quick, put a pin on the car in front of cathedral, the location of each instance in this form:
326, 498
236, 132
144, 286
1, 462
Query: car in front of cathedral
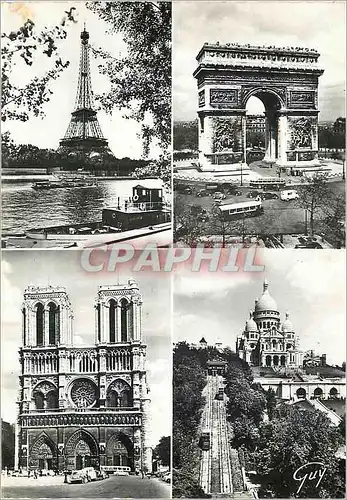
83, 475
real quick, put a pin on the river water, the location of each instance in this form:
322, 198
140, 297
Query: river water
24, 207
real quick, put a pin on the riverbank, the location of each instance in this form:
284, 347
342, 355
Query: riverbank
13, 179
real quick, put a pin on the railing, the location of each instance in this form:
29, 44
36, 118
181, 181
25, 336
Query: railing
132, 205
67, 411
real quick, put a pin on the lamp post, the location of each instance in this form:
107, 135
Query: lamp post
343, 169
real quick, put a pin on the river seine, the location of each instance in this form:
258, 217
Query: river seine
24, 207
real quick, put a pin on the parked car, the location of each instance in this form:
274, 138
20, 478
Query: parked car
76, 476
101, 474
167, 477
289, 194
203, 192
269, 196
82, 476
254, 194
188, 190
310, 244
237, 193
219, 196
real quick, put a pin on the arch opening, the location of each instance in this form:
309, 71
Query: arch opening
262, 127
301, 393
39, 324
112, 320
124, 320
53, 323
318, 392
119, 450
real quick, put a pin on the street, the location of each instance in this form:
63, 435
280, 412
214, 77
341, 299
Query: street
113, 487
279, 216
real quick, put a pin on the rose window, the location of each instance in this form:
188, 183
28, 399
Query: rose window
83, 393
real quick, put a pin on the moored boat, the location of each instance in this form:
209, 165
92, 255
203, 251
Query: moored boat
144, 214
66, 180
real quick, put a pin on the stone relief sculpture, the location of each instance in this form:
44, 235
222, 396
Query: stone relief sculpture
302, 133
225, 134
223, 96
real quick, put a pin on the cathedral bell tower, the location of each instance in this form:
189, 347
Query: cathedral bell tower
47, 317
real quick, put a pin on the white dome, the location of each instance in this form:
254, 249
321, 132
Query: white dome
251, 325
266, 302
287, 325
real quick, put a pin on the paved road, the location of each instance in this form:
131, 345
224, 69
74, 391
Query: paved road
113, 487
278, 216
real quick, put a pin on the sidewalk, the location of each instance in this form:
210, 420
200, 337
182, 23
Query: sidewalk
31, 481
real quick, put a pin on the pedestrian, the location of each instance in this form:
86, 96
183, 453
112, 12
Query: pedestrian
35, 474
142, 474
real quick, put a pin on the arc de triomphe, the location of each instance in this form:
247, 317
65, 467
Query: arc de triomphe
284, 79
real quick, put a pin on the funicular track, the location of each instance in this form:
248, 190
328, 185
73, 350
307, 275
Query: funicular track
215, 468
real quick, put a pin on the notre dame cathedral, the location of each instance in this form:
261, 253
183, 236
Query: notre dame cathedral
82, 406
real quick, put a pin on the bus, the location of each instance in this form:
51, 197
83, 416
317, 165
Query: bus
205, 440
267, 183
232, 211
117, 470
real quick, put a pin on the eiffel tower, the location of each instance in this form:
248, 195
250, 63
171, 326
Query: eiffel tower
84, 133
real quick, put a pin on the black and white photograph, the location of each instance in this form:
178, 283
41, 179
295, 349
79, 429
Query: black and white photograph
259, 383
259, 124
86, 380
169, 171
86, 124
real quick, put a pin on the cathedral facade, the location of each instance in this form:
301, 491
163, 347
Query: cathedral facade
82, 406
266, 341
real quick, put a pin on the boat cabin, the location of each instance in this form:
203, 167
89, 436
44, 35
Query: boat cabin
152, 197
127, 220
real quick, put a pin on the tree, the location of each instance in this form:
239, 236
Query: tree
334, 220
270, 402
222, 226
21, 46
312, 197
245, 433
160, 168
188, 225
163, 450
140, 82
185, 135
295, 438
244, 402
189, 379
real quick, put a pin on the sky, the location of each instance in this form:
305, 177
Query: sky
310, 285
314, 24
62, 268
122, 133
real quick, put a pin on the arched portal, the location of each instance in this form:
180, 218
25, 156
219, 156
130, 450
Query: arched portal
301, 393
43, 453
119, 450
276, 360
269, 122
333, 393
318, 392
268, 360
283, 360
82, 450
